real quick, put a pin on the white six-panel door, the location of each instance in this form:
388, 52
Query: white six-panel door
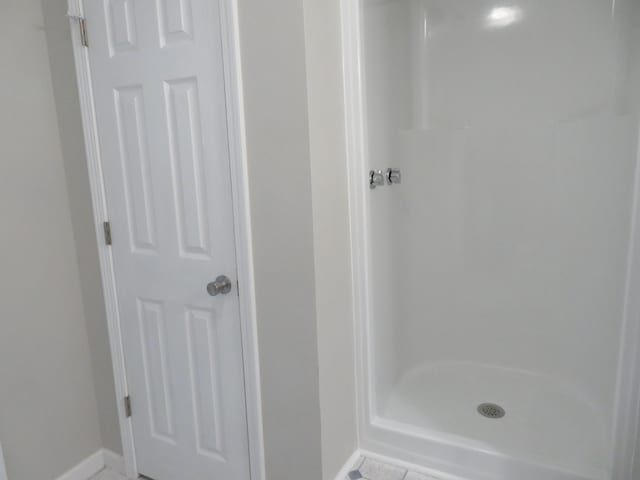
158, 83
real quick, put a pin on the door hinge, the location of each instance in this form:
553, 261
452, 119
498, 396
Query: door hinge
84, 38
107, 233
127, 406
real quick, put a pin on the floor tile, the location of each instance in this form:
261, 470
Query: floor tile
417, 476
108, 475
374, 470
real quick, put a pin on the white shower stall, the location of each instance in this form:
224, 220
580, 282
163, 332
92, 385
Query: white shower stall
496, 282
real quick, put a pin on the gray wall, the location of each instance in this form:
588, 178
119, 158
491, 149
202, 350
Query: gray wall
273, 65
283, 243
283, 222
634, 18
331, 233
48, 415
75, 167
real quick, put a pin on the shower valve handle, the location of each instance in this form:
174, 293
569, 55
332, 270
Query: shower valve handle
376, 179
393, 176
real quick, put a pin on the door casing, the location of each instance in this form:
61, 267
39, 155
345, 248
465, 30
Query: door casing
242, 230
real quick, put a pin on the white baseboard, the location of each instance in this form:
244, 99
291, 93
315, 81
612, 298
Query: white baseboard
349, 465
114, 461
86, 469
91, 465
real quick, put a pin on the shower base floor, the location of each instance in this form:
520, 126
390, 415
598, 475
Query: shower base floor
546, 422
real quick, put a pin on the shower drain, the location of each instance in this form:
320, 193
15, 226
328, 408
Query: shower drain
491, 410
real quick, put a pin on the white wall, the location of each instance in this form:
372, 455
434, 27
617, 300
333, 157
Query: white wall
510, 231
48, 414
331, 233
386, 48
65, 92
273, 68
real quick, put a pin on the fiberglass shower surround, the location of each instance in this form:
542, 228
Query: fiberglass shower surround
497, 269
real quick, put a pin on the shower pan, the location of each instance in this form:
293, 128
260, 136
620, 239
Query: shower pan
496, 285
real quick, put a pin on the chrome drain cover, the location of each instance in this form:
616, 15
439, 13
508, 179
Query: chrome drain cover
491, 410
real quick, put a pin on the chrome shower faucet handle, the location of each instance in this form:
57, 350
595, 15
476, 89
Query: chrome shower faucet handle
393, 176
376, 179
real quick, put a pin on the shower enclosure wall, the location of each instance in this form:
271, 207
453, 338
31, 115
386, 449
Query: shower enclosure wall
502, 269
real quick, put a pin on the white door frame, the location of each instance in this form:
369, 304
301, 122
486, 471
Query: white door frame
242, 227
625, 444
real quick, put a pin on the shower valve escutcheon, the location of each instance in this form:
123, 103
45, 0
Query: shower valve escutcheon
378, 178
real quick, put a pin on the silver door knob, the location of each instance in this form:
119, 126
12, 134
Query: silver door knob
222, 285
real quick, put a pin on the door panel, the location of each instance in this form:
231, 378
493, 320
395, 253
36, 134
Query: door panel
157, 74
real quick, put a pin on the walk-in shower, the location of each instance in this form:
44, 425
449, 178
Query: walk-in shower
496, 278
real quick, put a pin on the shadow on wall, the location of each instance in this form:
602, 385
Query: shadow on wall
47, 398
65, 92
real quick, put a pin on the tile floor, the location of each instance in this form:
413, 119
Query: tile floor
368, 469
108, 475
364, 469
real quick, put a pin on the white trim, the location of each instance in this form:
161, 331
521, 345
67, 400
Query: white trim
113, 461
627, 402
349, 465
358, 208
243, 236
86, 469
93, 464
74, 8
99, 202
240, 188
3, 469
